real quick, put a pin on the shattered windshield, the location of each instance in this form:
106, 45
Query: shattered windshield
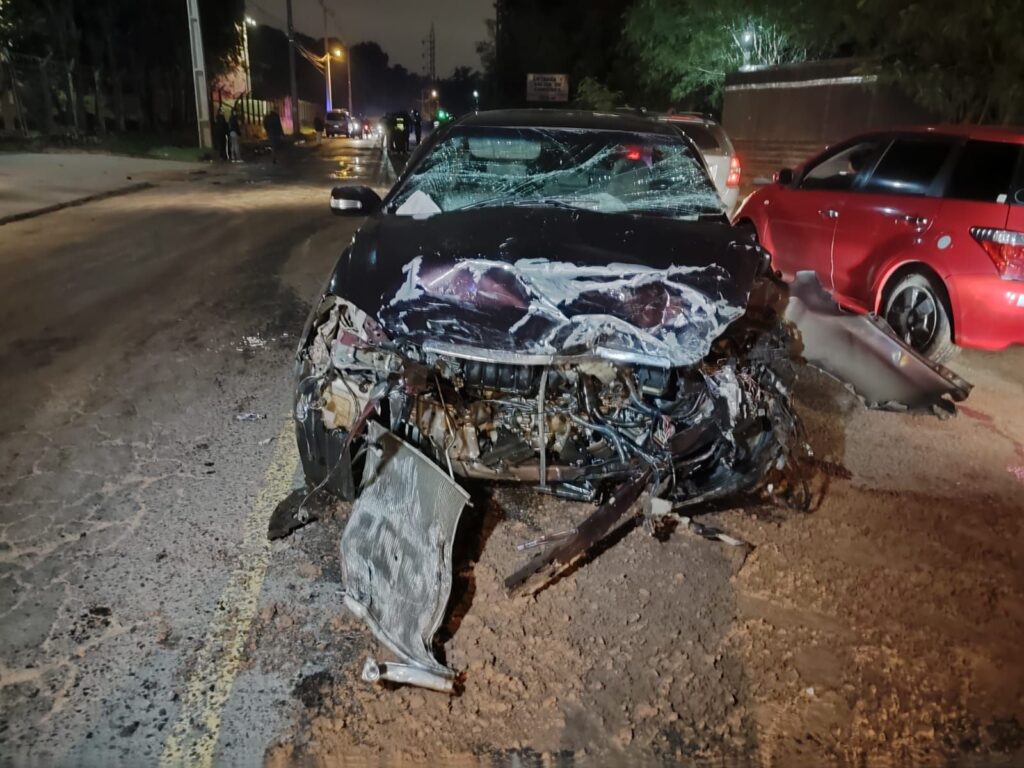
603, 171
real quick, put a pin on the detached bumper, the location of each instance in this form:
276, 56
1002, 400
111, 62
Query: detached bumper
988, 312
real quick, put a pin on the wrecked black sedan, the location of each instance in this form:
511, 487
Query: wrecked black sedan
554, 298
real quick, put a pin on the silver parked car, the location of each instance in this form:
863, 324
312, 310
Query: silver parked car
338, 123
719, 154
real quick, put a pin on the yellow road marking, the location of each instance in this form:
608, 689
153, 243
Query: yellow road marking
193, 738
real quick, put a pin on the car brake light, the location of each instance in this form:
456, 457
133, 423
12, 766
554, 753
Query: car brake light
733, 179
1005, 248
633, 153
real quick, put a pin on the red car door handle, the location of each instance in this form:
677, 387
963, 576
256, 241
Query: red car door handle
828, 213
919, 222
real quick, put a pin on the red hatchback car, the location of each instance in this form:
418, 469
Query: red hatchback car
923, 226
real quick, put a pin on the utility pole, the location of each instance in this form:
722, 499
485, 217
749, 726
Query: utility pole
291, 70
195, 34
433, 54
247, 22
327, 59
429, 42
348, 72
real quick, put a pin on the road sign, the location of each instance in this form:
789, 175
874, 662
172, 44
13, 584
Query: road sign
547, 87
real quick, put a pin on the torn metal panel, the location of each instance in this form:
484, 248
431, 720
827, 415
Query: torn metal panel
573, 544
469, 277
405, 674
396, 549
625, 313
863, 352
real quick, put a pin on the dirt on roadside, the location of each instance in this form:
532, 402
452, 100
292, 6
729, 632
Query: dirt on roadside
881, 627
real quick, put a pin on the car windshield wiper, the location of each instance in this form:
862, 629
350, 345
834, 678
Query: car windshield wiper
539, 202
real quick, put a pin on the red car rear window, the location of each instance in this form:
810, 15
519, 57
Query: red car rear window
984, 171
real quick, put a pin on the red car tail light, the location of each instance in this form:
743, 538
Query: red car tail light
733, 179
1005, 248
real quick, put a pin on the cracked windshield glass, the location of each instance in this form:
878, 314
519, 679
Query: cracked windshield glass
608, 172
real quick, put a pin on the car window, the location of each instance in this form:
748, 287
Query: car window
604, 171
702, 136
840, 170
909, 166
984, 171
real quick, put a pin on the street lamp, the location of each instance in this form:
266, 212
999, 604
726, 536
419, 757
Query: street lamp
433, 94
476, 101
746, 44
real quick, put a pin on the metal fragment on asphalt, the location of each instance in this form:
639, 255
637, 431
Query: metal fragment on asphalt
396, 552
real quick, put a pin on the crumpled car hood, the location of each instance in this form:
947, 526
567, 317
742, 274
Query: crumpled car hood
552, 283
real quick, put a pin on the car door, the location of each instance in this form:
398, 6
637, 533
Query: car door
803, 216
889, 216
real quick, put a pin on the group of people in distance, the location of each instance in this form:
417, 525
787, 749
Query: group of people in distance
227, 135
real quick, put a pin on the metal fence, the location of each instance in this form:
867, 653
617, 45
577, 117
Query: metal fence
41, 97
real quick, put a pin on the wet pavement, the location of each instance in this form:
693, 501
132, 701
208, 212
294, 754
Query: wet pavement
145, 346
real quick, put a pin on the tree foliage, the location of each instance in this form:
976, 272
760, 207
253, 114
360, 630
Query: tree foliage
134, 56
591, 93
964, 61
686, 48
580, 38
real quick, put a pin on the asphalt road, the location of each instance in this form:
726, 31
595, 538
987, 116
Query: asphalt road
136, 336
145, 387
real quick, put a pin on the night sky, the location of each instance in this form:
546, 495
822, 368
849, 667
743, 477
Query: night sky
398, 25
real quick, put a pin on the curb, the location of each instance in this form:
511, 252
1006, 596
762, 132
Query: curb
76, 202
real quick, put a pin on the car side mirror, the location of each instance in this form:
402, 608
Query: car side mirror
784, 176
354, 201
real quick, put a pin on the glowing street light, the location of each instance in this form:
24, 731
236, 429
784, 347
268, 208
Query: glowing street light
746, 44
476, 100
337, 53
433, 94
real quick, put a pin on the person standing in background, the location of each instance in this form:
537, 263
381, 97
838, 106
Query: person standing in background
220, 136
234, 138
272, 124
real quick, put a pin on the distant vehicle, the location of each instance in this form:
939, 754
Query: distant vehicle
923, 226
714, 144
338, 123
355, 127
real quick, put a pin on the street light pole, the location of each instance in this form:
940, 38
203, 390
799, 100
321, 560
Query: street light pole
202, 91
327, 59
247, 22
348, 71
291, 70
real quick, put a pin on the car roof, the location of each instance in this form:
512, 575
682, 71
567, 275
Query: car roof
687, 118
566, 118
982, 132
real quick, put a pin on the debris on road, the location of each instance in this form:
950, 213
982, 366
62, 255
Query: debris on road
253, 342
396, 555
250, 416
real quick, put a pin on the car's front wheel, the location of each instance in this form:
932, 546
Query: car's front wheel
918, 311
